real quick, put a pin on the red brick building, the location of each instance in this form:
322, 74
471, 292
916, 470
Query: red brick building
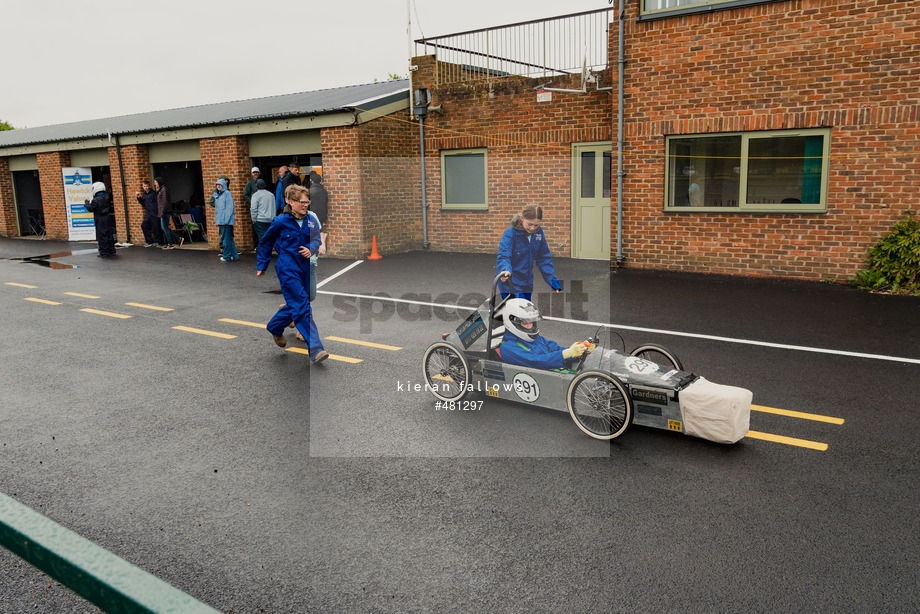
776, 138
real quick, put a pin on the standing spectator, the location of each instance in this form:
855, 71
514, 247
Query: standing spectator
295, 236
263, 210
151, 223
225, 178
225, 218
100, 207
522, 246
319, 206
292, 178
283, 172
251, 188
164, 207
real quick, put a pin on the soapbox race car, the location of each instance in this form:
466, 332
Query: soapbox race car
604, 392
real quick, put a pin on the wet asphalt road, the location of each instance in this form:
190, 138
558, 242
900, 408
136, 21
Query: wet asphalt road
232, 470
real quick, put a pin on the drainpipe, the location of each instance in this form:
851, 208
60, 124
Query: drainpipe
124, 191
621, 61
421, 138
421, 101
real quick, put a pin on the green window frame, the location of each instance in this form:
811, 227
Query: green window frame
777, 170
465, 179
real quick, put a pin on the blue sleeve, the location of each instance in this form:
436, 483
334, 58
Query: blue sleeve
279, 196
544, 260
503, 262
514, 354
315, 238
267, 244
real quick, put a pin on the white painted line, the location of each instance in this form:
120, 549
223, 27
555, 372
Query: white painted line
345, 270
782, 346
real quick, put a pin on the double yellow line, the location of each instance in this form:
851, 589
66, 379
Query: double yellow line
792, 441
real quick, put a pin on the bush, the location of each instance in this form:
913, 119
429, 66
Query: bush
894, 262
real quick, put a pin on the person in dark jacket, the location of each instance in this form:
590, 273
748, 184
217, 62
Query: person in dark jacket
319, 206
164, 207
295, 236
283, 172
251, 188
100, 207
522, 246
151, 224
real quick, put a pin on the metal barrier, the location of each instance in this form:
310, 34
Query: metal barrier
568, 44
92, 572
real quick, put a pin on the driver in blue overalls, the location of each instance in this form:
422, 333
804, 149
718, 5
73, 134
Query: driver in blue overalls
523, 345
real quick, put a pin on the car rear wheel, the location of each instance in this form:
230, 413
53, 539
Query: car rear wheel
599, 404
659, 355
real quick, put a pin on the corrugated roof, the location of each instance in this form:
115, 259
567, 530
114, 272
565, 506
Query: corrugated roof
240, 111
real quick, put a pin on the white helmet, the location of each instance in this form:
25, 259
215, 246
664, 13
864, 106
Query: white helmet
98, 187
517, 311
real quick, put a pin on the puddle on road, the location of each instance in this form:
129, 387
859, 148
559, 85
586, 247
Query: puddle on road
46, 259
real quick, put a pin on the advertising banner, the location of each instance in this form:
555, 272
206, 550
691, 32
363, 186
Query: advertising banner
78, 187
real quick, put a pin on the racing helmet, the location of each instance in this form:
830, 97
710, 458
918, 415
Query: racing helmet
98, 187
517, 311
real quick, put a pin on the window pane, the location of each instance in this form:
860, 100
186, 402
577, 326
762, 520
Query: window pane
587, 174
606, 174
465, 179
703, 172
785, 170
657, 5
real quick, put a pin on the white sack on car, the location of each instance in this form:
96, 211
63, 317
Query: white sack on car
716, 412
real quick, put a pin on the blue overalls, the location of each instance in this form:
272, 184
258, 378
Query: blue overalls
286, 237
541, 353
518, 252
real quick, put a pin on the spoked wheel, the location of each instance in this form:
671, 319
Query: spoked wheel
446, 371
599, 404
659, 355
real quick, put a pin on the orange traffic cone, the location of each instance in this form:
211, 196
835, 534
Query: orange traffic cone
374, 255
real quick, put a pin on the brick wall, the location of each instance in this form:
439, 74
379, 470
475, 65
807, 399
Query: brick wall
8, 226
228, 156
343, 180
52, 184
391, 183
797, 64
136, 164
528, 159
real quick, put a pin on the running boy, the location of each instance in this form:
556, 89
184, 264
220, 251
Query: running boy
295, 236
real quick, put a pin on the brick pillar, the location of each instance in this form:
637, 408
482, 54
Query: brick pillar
135, 161
342, 178
52, 184
228, 156
8, 227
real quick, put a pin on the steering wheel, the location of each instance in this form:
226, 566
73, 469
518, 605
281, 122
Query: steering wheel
595, 340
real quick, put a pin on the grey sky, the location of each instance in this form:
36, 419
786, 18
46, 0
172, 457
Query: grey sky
99, 58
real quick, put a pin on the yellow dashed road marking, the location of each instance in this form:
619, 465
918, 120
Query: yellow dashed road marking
142, 306
80, 295
365, 343
789, 441
200, 331
242, 322
796, 414
331, 356
107, 313
10, 283
41, 300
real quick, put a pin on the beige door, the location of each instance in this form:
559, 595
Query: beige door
591, 201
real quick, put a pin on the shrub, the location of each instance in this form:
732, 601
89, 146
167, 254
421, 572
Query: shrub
894, 262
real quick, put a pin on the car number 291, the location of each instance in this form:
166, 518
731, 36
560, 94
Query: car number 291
526, 387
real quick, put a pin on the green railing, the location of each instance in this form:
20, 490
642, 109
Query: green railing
92, 572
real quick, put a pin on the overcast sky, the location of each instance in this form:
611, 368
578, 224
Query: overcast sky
70, 61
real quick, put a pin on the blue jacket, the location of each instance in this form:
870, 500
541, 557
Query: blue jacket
286, 237
279, 194
224, 213
541, 353
518, 255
